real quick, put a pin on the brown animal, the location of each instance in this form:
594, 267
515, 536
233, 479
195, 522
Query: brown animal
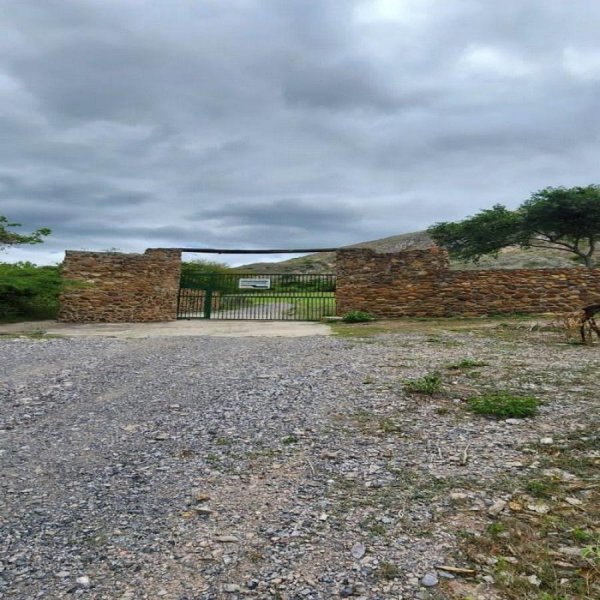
587, 319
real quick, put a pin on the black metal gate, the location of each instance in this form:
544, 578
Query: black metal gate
279, 297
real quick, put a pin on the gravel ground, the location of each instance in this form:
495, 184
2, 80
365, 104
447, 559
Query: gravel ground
201, 468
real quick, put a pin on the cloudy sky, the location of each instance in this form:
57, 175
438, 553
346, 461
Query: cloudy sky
286, 123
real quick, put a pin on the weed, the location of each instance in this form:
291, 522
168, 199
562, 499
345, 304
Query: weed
467, 363
290, 439
581, 535
428, 384
525, 544
496, 528
504, 405
442, 410
223, 441
377, 529
357, 316
389, 426
542, 488
388, 570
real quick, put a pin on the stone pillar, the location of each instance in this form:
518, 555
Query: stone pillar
110, 287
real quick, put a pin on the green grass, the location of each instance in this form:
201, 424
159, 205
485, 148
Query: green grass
428, 384
310, 306
504, 405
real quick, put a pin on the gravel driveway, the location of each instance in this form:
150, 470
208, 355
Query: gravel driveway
200, 468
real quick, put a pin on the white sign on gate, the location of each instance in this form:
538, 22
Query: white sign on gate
255, 283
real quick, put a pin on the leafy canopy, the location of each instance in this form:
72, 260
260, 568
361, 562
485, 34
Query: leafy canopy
11, 238
566, 219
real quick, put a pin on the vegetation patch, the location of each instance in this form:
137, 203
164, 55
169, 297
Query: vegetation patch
546, 544
357, 316
428, 384
466, 363
504, 405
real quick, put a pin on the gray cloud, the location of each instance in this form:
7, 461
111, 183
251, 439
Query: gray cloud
284, 122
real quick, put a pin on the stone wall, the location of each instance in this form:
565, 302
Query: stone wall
419, 283
111, 287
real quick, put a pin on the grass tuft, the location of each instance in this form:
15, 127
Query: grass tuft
504, 405
428, 384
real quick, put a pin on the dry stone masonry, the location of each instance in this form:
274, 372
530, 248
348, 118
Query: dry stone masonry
418, 283
111, 287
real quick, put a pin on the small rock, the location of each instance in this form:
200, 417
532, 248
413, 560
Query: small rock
430, 579
573, 501
539, 507
497, 507
446, 575
161, 436
231, 588
513, 421
227, 539
546, 441
458, 496
63, 574
534, 580
83, 581
358, 550
570, 551
203, 511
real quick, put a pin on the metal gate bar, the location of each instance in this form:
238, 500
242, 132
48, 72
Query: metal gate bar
251, 296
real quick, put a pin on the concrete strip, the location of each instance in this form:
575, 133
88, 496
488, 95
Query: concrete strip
173, 329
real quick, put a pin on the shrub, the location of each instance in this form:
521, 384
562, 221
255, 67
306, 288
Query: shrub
357, 316
27, 290
428, 384
504, 405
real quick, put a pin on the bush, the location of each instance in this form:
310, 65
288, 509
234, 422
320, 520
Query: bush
504, 405
428, 384
357, 316
29, 291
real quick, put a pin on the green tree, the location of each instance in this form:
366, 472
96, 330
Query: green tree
27, 290
12, 238
202, 266
566, 219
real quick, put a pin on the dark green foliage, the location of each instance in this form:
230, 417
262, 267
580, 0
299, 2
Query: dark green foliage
29, 291
504, 405
357, 316
485, 233
566, 219
202, 267
11, 238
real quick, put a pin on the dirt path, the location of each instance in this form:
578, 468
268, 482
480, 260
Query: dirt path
261, 467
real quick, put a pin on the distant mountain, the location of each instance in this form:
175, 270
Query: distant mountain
508, 258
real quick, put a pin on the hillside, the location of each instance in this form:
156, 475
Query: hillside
509, 258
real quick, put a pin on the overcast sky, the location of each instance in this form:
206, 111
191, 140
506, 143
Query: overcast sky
286, 123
